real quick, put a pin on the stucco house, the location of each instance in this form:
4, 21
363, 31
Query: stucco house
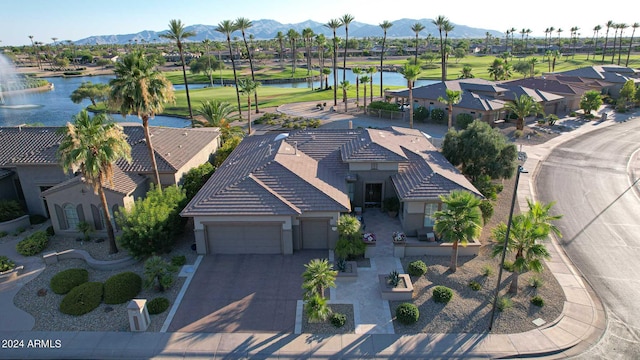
30, 173
278, 193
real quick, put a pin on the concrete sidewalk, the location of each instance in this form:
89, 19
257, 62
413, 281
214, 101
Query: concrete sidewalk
581, 324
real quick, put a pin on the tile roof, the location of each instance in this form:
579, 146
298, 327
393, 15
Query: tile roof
514, 91
609, 73
547, 84
306, 170
123, 183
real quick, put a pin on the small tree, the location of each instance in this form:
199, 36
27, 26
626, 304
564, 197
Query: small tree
349, 242
318, 276
590, 101
453, 97
195, 178
93, 92
523, 107
159, 273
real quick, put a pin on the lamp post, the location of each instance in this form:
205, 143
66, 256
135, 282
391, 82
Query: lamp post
506, 243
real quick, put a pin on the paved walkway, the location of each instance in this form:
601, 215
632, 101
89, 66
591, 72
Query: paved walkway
581, 324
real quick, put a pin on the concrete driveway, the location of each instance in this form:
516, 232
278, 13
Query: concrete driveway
244, 293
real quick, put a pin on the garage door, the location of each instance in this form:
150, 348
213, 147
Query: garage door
245, 239
315, 233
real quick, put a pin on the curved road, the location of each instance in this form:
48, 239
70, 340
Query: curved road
594, 181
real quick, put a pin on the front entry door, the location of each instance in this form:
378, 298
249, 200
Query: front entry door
373, 195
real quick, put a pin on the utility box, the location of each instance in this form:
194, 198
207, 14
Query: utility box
138, 315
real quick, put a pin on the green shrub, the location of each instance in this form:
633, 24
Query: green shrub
407, 313
487, 270
474, 285
37, 219
50, 231
178, 260
383, 105
82, 299
517, 134
6, 264
463, 120
504, 302
536, 282
65, 281
158, 305
442, 294
537, 301
122, 287
158, 273
508, 265
573, 114
338, 320
393, 278
9, 210
19, 231
438, 116
486, 207
417, 268
33, 244
151, 226
195, 178
421, 114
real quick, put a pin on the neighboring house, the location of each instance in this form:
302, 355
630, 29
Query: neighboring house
278, 193
570, 92
29, 168
609, 78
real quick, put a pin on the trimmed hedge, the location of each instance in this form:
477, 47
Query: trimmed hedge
64, 281
407, 313
417, 268
82, 299
442, 294
33, 244
122, 287
157, 305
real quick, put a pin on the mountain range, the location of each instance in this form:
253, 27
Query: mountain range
267, 29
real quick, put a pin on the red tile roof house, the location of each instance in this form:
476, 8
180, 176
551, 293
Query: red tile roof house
483, 99
278, 193
33, 176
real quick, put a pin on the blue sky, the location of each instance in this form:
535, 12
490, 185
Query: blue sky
74, 20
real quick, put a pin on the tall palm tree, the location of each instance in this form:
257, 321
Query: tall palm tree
334, 24
615, 38
92, 146
622, 27
207, 45
609, 25
440, 22
280, 38
217, 45
227, 27
513, 34
139, 88
596, 30
385, 25
321, 43
345, 86
293, 36
345, 20
523, 106
220, 114
364, 80
357, 71
248, 87
634, 26
453, 97
178, 34
307, 36
459, 222
448, 27
371, 70
410, 73
551, 30
574, 37
243, 24
416, 28
559, 31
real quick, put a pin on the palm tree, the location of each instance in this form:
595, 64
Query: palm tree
280, 38
634, 26
532, 63
609, 25
574, 36
453, 97
334, 24
596, 30
559, 31
615, 37
513, 33
357, 71
416, 28
410, 72
364, 80
293, 36
248, 87
345, 86
178, 34
243, 24
307, 36
139, 88
448, 27
318, 276
227, 27
466, 72
622, 27
220, 114
541, 215
371, 70
551, 30
497, 69
218, 47
523, 107
459, 222
385, 25
321, 43
440, 22
207, 44
345, 20
92, 146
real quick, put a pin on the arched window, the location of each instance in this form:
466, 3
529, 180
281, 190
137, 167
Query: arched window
71, 215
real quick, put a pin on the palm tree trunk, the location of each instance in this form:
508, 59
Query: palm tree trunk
384, 38
186, 86
450, 123
113, 247
235, 76
335, 72
513, 288
365, 99
454, 257
410, 104
630, 44
249, 113
152, 153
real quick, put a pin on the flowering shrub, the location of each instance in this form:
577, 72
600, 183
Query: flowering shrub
398, 236
369, 237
